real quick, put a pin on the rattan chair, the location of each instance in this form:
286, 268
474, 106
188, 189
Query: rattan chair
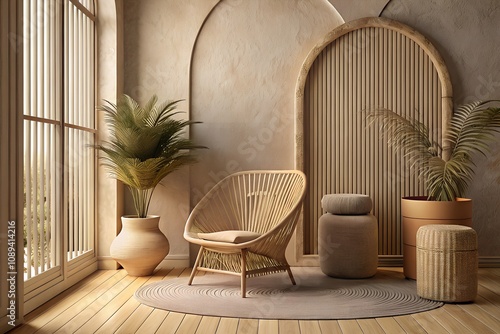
245, 222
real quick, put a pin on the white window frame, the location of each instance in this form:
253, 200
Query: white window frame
74, 252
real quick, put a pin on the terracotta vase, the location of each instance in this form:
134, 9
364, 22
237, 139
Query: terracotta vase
140, 246
417, 212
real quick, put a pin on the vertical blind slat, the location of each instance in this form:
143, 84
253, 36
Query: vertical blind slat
367, 68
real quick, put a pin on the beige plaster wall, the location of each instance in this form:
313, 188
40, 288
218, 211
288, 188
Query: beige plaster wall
355, 9
244, 70
240, 81
109, 84
467, 35
158, 40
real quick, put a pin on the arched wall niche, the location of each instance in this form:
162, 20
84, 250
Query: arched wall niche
367, 63
242, 81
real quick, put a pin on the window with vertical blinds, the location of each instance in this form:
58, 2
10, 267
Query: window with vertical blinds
59, 130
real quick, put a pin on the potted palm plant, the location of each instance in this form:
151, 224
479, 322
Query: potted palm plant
146, 143
447, 170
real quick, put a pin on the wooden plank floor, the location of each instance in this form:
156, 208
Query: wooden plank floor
104, 303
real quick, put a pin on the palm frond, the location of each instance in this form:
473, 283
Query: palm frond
146, 144
447, 180
160, 114
409, 136
472, 128
142, 198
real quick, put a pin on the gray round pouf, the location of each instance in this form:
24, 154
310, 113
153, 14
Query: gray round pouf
348, 244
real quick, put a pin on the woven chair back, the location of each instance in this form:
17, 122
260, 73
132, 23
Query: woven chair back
251, 201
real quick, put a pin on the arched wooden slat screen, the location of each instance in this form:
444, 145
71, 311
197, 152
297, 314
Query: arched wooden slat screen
368, 63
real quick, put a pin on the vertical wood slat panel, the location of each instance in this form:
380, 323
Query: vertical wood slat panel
367, 68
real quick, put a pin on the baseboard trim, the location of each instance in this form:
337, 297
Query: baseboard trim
489, 261
107, 263
171, 261
390, 260
181, 262
397, 261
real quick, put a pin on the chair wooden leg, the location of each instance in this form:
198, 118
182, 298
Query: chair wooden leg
195, 267
291, 275
243, 273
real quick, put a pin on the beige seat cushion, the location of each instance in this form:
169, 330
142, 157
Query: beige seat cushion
232, 236
347, 204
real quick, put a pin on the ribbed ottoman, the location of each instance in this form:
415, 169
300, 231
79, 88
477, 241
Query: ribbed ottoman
447, 261
347, 236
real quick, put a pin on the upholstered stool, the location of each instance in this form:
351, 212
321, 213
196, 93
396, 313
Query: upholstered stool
447, 263
347, 236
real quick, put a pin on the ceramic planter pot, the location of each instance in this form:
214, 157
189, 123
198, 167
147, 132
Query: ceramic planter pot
417, 212
140, 246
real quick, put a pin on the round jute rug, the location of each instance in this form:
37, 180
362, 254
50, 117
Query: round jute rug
315, 296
